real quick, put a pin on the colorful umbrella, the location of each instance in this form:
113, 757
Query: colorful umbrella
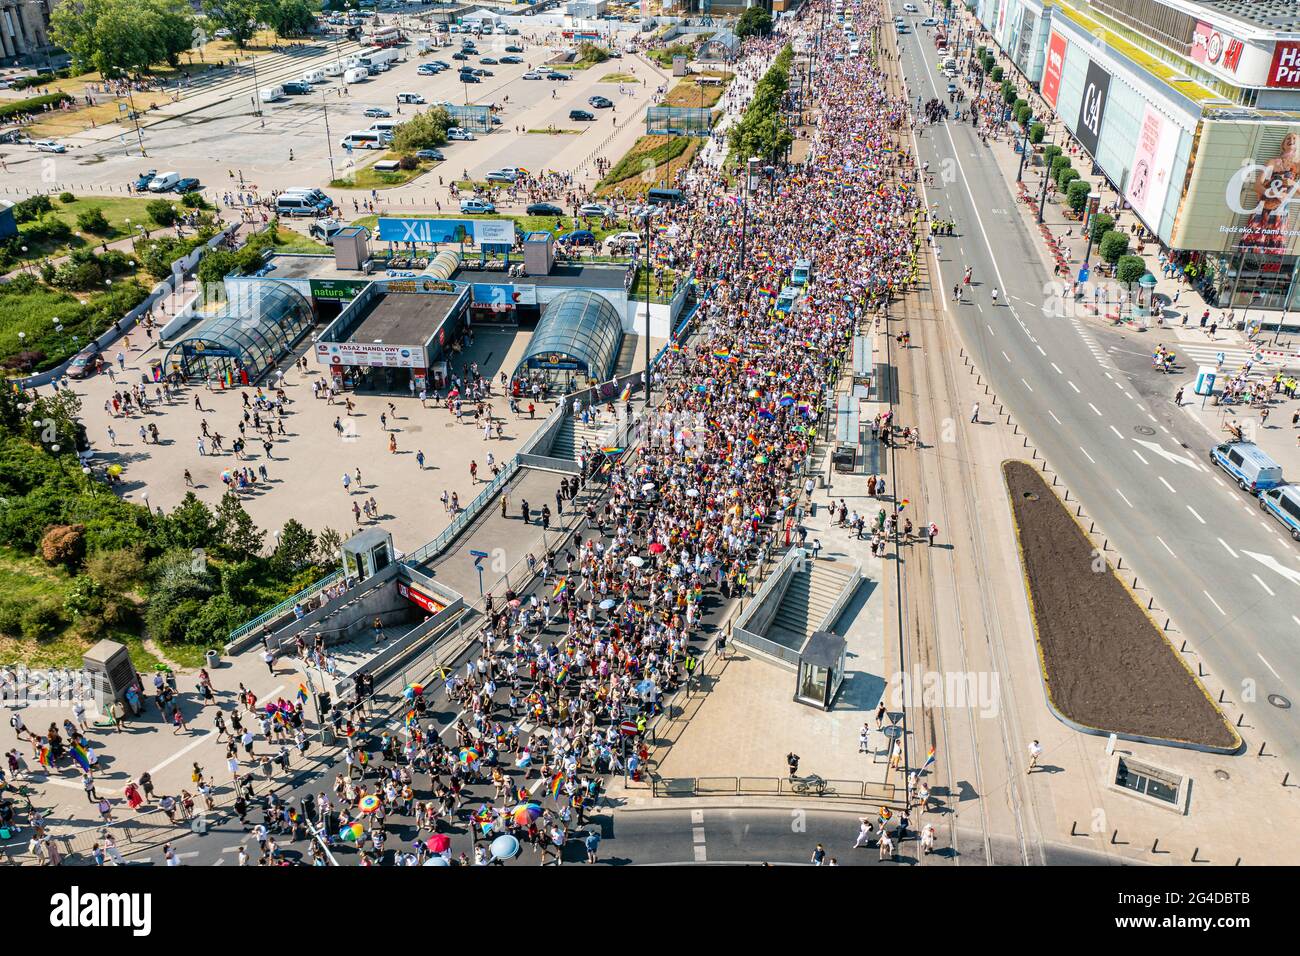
525, 813
368, 804
413, 690
657, 548
469, 755
352, 832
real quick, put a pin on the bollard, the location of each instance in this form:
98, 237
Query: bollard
1285, 777
1166, 627
1200, 669
1194, 853
1067, 490
1183, 649
1092, 526
1261, 750
1240, 718
1151, 603
1119, 565
1072, 830
1114, 837
1155, 844
1221, 693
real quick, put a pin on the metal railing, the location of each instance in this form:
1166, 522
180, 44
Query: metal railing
283, 607
866, 791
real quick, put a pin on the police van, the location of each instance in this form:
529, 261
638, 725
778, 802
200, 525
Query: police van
1253, 470
1283, 503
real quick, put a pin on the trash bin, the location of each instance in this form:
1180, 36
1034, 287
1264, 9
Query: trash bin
213, 657
327, 735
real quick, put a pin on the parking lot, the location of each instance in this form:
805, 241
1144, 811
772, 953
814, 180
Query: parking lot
218, 136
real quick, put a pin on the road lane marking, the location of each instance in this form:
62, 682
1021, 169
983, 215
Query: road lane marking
1054, 418
1172, 490
1006, 356
1116, 431
1057, 367
1085, 451
1189, 507
1263, 585
1073, 386
1271, 562
1266, 663
1027, 385
989, 327
697, 835
1215, 603
1140, 458
1228, 548
1094, 408
1125, 497
1165, 546
1040, 350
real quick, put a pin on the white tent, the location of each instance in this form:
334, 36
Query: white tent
481, 16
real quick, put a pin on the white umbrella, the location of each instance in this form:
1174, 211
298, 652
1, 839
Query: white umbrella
692, 492
635, 561
648, 486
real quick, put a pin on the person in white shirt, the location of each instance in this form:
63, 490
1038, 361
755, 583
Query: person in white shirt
865, 830
1035, 751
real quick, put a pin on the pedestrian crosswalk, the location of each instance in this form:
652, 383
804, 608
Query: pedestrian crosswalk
1233, 358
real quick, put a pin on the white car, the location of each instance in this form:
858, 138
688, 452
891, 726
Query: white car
531, 75
595, 209
377, 112
49, 146
623, 240
929, 22
458, 133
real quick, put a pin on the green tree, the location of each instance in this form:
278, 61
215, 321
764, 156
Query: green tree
172, 24
1113, 245
92, 220
1050, 152
1077, 195
1066, 176
191, 524
162, 212
295, 549
236, 533
426, 130
589, 52
1099, 225
1130, 269
754, 22
1036, 133
289, 18
239, 17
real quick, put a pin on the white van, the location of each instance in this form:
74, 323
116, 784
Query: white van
1283, 503
410, 98
297, 205
314, 76
270, 94
334, 69
356, 75
362, 139
163, 182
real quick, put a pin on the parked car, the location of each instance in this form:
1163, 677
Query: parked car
579, 237
440, 64
531, 75
469, 78
594, 209
459, 55
429, 154
410, 98
296, 88
460, 133
85, 363
474, 206
142, 181
600, 102
501, 176
514, 48
187, 185
512, 59
488, 60
376, 112
582, 116
49, 146
562, 77
326, 229
544, 209
428, 69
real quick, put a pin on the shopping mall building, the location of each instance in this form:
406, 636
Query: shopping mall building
1192, 112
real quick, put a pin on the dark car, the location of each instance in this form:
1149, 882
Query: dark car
514, 48
85, 363
459, 55
582, 116
429, 154
600, 102
562, 77
469, 78
544, 209
142, 182
488, 60
441, 64
579, 237
484, 73
512, 59
297, 89
186, 185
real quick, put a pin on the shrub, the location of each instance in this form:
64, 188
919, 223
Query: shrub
1130, 269
1050, 152
64, 544
67, 198
41, 621
162, 212
1100, 225
195, 200
1113, 245
995, 72
47, 229
92, 220
118, 570
408, 162
1023, 112
36, 104
1077, 195
11, 618
1066, 176
1036, 133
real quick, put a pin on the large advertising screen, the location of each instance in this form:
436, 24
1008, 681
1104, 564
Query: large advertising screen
1092, 107
1242, 190
1053, 68
1152, 169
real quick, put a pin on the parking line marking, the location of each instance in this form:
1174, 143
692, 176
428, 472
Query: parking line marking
1263, 585
1057, 367
1006, 356
1140, 458
1189, 507
1085, 451
1267, 664
1027, 385
1040, 349
1073, 386
1116, 431
1215, 603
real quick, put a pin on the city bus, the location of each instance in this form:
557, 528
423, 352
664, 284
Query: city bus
384, 37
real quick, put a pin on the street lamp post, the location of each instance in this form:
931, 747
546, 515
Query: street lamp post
328, 144
257, 92
648, 260
1042, 199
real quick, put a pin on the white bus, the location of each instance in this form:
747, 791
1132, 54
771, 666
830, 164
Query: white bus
379, 59
363, 139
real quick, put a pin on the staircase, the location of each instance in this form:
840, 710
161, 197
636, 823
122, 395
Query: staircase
569, 439
808, 598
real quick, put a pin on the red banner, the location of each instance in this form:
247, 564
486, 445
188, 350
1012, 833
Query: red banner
418, 598
1053, 69
1285, 69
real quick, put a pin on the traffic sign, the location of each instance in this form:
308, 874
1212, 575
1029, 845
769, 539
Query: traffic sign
478, 554
628, 728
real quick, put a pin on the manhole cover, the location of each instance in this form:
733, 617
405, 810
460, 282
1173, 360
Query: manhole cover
1031, 496
1221, 774
1144, 429
1277, 700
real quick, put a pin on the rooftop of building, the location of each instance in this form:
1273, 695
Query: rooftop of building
403, 318
1282, 15
290, 265
584, 277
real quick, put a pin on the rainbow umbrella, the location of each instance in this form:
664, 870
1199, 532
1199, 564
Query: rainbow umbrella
469, 755
413, 690
352, 832
368, 804
526, 813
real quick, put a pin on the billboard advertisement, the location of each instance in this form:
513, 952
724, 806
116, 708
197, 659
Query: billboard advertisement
1092, 107
1215, 49
367, 353
1053, 69
336, 289
1152, 168
1284, 71
1242, 192
499, 232
503, 296
424, 230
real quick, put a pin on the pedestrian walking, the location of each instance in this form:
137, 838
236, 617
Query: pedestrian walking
1035, 751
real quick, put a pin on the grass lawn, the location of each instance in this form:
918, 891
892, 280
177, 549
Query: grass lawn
651, 160
33, 313
618, 78
289, 240
553, 131
643, 287
27, 580
690, 93
115, 209
367, 177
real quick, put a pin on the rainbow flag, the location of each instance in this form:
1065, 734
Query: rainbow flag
80, 755
410, 718
561, 586
557, 781
672, 348
624, 395
722, 353
230, 379
752, 438
903, 504
562, 673
929, 757
612, 450
302, 693
43, 756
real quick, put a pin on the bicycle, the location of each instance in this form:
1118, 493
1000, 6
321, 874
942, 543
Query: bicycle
811, 784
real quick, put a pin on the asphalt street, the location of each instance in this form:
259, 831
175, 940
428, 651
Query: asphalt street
1229, 580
